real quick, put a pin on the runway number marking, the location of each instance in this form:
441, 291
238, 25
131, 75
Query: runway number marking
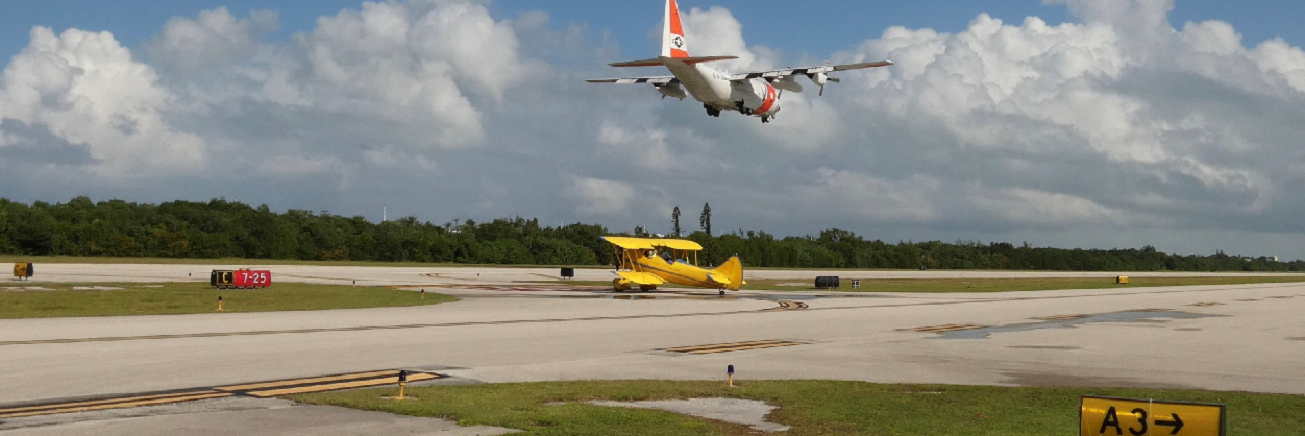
1106, 416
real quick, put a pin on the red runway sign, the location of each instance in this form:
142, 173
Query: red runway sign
252, 278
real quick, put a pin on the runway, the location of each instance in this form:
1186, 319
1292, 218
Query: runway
1230, 337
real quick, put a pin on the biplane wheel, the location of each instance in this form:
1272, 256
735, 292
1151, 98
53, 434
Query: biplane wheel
722, 292
647, 288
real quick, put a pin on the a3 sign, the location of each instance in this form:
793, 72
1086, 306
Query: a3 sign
1102, 416
241, 279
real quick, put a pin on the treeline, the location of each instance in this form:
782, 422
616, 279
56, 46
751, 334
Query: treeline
225, 229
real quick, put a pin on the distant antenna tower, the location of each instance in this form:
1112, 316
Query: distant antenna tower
385, 214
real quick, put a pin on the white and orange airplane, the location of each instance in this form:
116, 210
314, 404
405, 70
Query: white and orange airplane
752, 93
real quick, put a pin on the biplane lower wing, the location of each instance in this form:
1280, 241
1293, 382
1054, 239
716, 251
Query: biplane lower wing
641, 278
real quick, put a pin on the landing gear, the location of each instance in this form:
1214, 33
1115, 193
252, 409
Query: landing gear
712, 111
765, 120
742, 109
722, 292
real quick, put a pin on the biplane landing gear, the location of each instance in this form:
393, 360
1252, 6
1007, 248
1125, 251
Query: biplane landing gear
765, 120
722, 292
711, 111
647, 288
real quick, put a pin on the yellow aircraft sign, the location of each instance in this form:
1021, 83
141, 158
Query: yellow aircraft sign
1102, 416
649, 263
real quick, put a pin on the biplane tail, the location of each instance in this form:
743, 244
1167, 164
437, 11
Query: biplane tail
732, 272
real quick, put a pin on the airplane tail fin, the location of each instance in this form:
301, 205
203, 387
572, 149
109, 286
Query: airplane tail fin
674, 44
733, 270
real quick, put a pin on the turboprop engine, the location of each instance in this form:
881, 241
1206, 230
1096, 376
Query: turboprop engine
672, 90
787, 84
820, 79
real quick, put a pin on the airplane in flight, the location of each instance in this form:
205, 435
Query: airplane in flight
751, 93
649, 263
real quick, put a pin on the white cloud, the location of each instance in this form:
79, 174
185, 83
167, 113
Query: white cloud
214, 39
87, 89
601, 197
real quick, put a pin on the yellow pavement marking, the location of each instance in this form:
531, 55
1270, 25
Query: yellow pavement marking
717, 345
260, 390
201, 396
744, 347
337, 386
247, 387
945, 328
1061, 317
98, 402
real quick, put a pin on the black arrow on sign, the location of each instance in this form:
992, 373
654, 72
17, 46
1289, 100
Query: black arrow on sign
1177, 423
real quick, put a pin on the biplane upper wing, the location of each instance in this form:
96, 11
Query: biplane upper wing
651, 243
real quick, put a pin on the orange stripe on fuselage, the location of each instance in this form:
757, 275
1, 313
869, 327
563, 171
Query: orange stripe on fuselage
769, 101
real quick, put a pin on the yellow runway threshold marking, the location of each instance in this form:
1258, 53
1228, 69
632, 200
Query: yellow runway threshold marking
258, 390
730, 347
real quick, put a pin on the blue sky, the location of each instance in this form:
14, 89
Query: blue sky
818, 27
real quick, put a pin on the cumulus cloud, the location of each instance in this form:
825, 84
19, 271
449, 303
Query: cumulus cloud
1113, 129
213, 39
601, 197
85, 88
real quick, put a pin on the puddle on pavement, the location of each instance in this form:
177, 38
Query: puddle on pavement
1148, 316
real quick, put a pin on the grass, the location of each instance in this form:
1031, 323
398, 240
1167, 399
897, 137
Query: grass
992, 284
809, 407
62, 300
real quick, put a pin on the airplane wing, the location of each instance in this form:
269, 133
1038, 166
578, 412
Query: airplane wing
641, 278
824, 69
651, 243
653, 80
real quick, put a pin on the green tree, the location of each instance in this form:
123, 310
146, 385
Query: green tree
704, 220
675, 222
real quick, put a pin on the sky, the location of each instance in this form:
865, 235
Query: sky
1071, 123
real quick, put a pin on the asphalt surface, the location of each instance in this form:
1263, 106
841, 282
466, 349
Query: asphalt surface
1235, 337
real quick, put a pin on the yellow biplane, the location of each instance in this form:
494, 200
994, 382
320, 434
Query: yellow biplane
649, 263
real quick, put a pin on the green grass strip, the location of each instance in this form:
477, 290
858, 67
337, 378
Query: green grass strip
809, 407
62, 300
